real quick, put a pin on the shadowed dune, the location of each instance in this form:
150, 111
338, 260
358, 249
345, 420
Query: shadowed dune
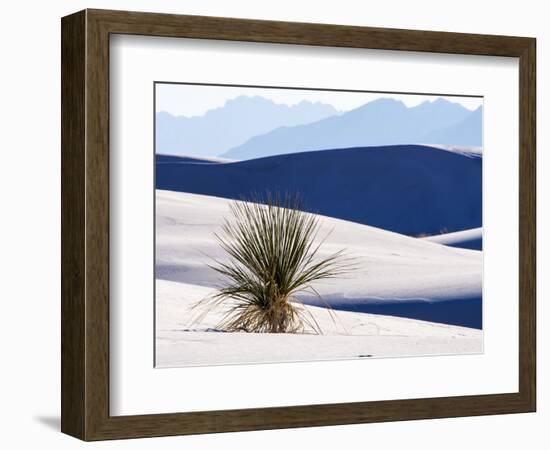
465, 312
409, 189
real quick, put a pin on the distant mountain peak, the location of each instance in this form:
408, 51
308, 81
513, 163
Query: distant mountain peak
439, 103
164, 114
245, 99
386, 101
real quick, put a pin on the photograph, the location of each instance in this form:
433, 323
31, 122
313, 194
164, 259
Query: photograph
303, 224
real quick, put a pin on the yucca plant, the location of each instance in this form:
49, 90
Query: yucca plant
273, 247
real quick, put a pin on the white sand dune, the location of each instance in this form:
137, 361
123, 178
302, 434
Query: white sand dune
391, 267
180, 342
167, 158
464, 239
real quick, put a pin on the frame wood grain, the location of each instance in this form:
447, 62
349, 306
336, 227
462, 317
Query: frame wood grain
85, 224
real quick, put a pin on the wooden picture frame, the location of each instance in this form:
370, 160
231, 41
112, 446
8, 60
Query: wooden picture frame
85, 224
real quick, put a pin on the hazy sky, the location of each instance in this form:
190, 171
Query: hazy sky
193, 100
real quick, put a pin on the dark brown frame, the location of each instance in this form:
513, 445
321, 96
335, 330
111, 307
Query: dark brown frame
85, 224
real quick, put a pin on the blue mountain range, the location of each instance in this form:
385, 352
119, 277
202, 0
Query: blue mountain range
381, 122
231, 125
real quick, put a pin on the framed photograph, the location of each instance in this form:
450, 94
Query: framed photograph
273, 225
